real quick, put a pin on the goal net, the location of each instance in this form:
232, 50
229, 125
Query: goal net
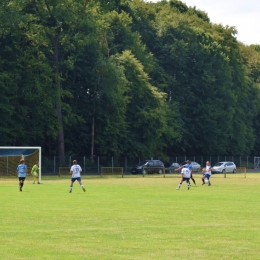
241, 170
64, 171
10, 158
111, 170
257, 162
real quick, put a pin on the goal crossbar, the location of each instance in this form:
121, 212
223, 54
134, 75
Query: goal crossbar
27, 148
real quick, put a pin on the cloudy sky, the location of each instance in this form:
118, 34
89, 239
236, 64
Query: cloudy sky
244, 15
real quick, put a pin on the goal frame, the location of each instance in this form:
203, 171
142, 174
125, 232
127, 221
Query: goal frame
114, 171
28, 148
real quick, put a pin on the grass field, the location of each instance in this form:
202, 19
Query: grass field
131, 218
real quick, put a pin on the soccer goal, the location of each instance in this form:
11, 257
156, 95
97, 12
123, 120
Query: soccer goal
257, 162
241, 170
10, 157
64, 171
111, 171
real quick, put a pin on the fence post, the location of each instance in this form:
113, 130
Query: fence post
54, 165
247, 162
84, 160
125, 165
98, 163
112, 164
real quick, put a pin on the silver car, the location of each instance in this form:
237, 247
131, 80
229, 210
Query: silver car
222, 167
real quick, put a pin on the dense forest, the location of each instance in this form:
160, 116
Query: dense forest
125, 78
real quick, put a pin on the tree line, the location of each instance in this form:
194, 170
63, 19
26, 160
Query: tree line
124, 77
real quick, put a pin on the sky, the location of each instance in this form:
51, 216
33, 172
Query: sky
244, 15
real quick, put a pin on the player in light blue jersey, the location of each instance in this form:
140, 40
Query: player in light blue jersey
189, 166
75, 171
22, 172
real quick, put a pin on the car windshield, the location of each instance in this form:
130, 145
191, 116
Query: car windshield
218, 164
142, 163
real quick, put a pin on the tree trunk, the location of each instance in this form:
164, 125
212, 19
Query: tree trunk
92, 138
61, 147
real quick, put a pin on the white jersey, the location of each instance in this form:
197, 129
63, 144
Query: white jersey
185, 172
76, 169
208, 171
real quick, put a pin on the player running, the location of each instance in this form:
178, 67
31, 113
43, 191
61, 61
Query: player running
189, 166
185, 176
22, 172
75, 171
206, 173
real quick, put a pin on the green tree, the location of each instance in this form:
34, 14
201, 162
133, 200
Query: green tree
51, 26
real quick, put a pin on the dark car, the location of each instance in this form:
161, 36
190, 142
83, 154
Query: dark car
196, 167
172, 167
148, 166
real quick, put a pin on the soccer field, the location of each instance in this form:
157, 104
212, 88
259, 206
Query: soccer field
130, 218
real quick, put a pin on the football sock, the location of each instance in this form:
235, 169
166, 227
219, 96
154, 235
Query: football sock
70, 188
203, 181
194, 181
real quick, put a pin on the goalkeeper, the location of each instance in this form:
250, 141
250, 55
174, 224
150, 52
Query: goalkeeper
35, 172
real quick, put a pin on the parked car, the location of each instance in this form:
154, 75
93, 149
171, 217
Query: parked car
196, 167
148, 166
222, 167
172, 167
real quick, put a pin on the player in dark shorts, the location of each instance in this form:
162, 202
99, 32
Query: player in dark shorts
189, 166
22, 172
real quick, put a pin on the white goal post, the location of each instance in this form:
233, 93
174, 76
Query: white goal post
18, 151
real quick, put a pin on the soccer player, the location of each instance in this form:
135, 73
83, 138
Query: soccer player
206, 173
75, 171
22, 172
35, 172
185, 176
189, 166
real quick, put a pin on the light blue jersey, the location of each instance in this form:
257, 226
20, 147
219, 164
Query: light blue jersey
21, 168
189, 166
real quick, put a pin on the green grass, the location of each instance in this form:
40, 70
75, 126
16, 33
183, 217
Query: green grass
131, 218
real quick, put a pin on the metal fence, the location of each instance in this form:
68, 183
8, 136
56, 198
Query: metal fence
51, 166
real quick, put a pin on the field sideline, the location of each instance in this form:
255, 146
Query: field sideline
130, 218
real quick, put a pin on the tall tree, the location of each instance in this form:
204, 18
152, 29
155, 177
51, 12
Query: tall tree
51, 26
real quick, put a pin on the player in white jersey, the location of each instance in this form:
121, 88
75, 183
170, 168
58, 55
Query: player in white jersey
75, 171
185, 176
206, 173
189, 166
